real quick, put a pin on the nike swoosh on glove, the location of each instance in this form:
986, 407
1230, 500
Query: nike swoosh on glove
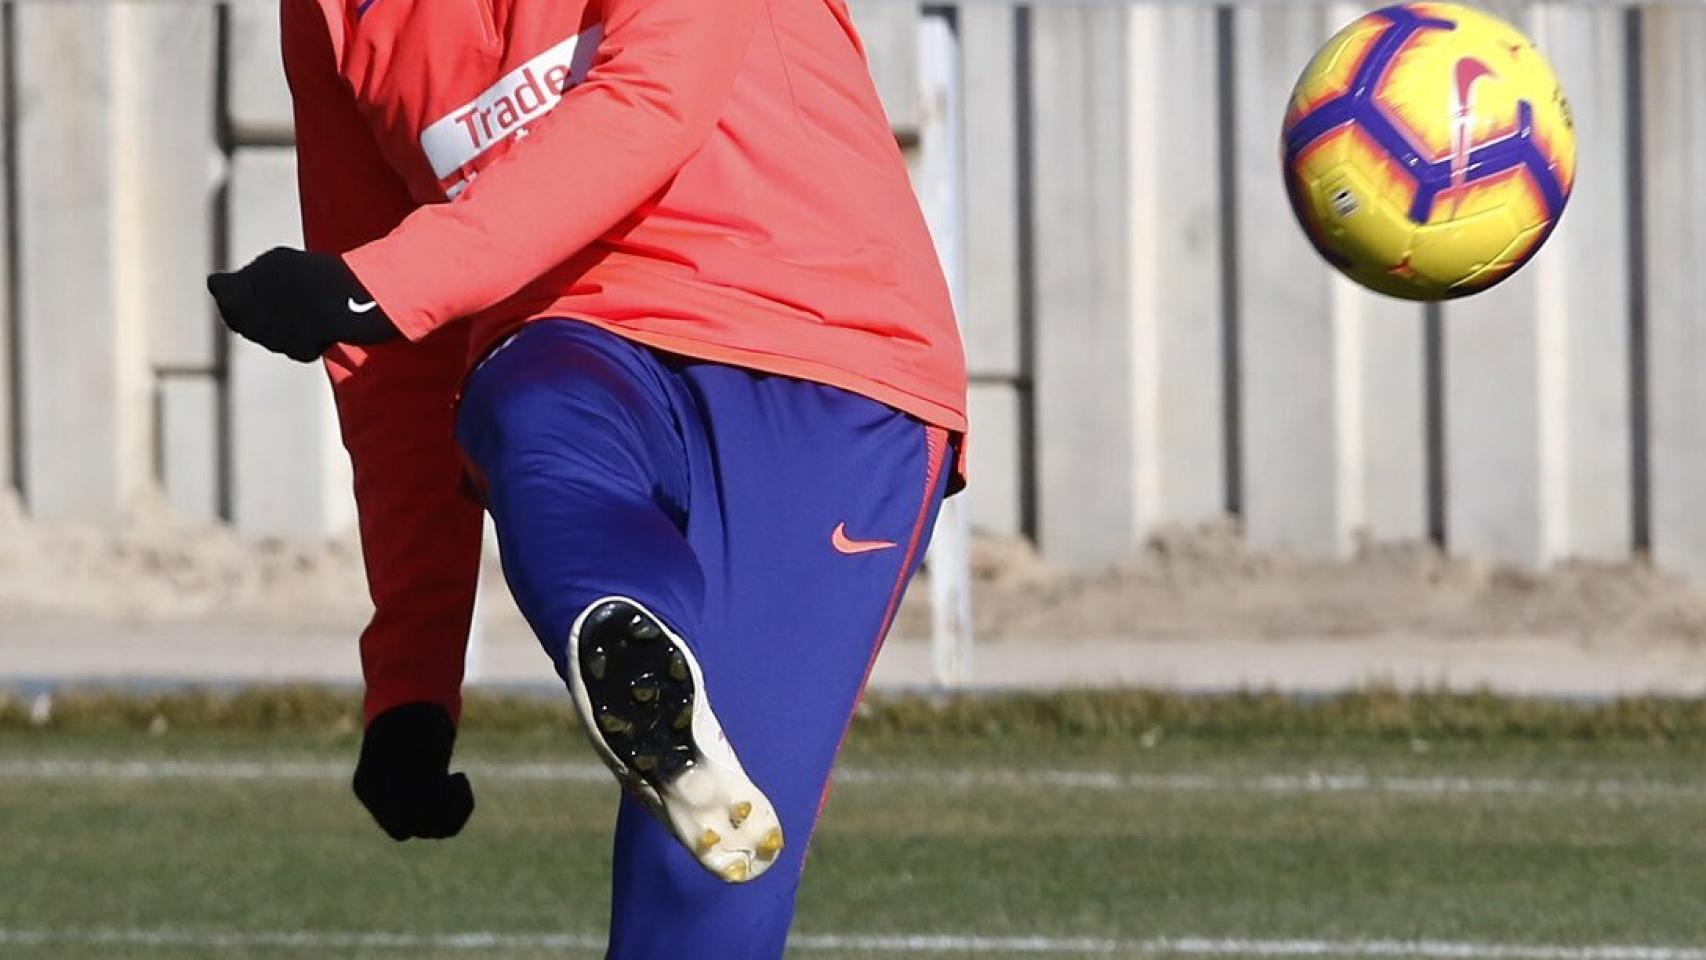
299, 304
403, 777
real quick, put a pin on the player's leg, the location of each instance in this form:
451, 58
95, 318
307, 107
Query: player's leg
811, 509
573, 433
582, 472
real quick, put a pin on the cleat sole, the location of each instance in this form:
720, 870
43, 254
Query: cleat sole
640, 695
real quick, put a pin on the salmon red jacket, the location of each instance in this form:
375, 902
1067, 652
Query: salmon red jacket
713, 179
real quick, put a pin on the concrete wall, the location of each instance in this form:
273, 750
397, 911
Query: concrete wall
1151, 341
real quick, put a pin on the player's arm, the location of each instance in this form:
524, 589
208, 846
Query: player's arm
420, 534
663, 72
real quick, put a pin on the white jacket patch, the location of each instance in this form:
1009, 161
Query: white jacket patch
453, 142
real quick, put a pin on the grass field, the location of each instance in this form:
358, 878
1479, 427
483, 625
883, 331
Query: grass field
1557, 839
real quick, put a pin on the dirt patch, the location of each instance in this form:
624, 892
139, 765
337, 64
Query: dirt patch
1205, 583
150, 567
1199, 583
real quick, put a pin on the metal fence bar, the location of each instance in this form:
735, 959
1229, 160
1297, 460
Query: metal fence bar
941, 188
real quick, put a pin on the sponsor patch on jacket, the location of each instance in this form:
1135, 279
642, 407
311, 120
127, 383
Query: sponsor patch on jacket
456, 140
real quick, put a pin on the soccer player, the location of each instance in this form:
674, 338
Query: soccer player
645, 279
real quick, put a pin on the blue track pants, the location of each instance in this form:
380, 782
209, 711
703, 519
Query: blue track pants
772, 522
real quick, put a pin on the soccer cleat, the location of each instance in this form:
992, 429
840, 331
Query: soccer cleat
639, 692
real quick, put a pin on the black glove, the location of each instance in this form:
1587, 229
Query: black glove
404, 778
299, 304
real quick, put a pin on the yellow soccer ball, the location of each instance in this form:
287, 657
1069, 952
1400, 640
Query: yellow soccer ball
1428, 150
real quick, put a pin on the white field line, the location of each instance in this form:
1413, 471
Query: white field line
302, 939
1426, 949
1093, 780
480, 941
61, 769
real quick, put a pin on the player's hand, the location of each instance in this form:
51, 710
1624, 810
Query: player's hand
299, 304
404, 778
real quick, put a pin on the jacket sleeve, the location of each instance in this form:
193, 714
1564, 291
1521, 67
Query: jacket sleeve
663, 72
420, 534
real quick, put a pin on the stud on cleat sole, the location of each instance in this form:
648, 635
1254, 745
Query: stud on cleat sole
596, 666
735, 872
707, 842
739, 812
771, 845
645, 762
611, 723
641, 628
678, 668
645, 693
